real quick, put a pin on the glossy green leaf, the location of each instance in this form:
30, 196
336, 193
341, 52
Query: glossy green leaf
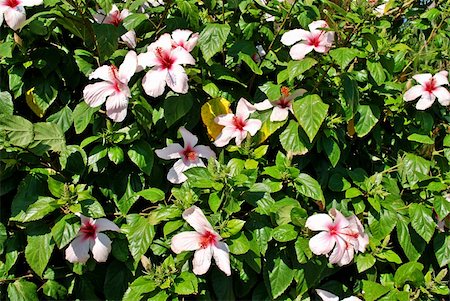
310, 112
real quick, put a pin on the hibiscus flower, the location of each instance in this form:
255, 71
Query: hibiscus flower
340, 237
327, 296
113, 88
90, 238
282, 106
115, 17
188, 156
428, 89
237, 125
184, 38
204, 241
14, 12
314, 39
165, 62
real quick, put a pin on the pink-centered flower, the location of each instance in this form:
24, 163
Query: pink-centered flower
204, 241
13, 11
188, 156
340, 238
166, 67
428, 89
90, 238
237, 125
115, 17
282, 106
184, 38
327, 296
314, 39
113, 87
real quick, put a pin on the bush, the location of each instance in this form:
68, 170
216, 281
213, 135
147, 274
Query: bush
249, 150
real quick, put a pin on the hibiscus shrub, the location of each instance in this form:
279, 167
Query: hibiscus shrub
229, 150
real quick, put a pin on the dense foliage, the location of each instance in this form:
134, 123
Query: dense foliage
342, 137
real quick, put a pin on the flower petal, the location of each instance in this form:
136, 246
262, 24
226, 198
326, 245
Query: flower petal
425, 101
351, 298
422, 78
204, 151
129, 38
225, 136
225, 119
221, 255
146, 59
101, 247
264, 105
154, 82
188, 137
182, 56
442, 95
116, 107
441, 78
413, 93
185, 241
31, 2
319, 222
322, 243
326, 296
202, 261
293, 36
244, 108
172, 151
78, 250
175, 174
15, 17
177, 79
300, 50
195, 217
103, 224
279, 114
316, 25
253, 126
339, 220
104, 73
128, 67
338, 251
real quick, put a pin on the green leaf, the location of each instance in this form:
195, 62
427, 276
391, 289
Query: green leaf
351, 96
134, 20
332, 150
420, 139
310, 112
343, 56
17, 130
115, 154
47, 136
409, 272
142, 285
415, 168
65, 230
309, 187
37, 210
212, 38
117, 276
364, 262
141, 154
63, 118
232, 227
284, 233
297, 68
366, 118
186, 284
302, 250
107, 37
175, 107
239, 244
22, 290
38, 251
54, 290
280, 277
140, 234
422, 221
292, 141
376, 70
42, 96
441, 244
152, 194
405, 239
390, 256
82, 115
6, 103
250, 63
373, 290
3, 237
30, 189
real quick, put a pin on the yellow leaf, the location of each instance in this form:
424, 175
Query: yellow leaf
212, 109
29, 96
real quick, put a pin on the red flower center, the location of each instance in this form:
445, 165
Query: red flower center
117, 83
116, 19
284, 103
333, 229
88, 230
430, 86
189, 154
239, 123
12, 3
165, 59
207, 239
314, 41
